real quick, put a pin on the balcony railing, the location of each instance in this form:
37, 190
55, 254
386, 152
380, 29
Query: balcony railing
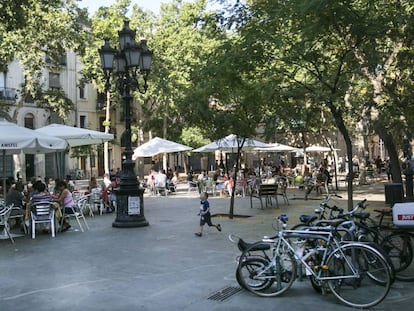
8, 94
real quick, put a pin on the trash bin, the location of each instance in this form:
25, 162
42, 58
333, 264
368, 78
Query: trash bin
394, 193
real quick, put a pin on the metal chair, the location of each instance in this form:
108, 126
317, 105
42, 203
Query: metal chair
281, 190
18, 213
42, 213
4, 217
96, 199
75, 212
210, 187
192, 186
87, 205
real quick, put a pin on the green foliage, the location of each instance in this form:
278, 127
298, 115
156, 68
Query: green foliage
56, 101
28, 33
183, 36
193, 136
82, 151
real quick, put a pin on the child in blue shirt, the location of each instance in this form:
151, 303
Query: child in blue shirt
205, 214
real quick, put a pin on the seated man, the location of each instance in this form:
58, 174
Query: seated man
322, 179
161, 181
16, 197
190, 179
39, 195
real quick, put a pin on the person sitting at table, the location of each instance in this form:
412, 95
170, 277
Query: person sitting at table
172, 182
65, 200
16, 197
161, 181
39, 195
106, 188
201, 181
190, 180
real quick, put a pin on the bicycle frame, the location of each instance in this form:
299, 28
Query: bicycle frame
282, 244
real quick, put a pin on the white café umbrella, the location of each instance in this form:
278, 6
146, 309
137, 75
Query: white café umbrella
76, 136
275, 147
156, 146
15, 139
230, 143
316, 148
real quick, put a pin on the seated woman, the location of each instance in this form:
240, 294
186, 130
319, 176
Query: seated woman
65, 200
172, 183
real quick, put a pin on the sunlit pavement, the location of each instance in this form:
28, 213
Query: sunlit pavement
163, 266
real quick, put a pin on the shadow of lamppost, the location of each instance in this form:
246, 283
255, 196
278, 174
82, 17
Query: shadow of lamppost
127, 66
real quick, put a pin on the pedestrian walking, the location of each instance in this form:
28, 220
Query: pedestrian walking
205, 216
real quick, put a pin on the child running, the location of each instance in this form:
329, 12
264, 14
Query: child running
205, 214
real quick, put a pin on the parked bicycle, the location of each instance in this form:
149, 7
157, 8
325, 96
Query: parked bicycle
356, 273
396, 244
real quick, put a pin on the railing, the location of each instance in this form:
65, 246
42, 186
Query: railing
7, 94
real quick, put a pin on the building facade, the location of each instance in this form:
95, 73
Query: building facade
88, 112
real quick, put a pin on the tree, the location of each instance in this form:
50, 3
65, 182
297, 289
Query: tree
28, 34
183, 36
226, 97
298, 54
384, 54
331, 55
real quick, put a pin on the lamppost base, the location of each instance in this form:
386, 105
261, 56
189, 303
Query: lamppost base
130, 223
130, 206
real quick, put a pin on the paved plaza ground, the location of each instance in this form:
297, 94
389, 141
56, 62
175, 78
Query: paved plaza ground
163, 266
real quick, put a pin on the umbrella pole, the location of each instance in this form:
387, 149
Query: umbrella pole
4, 176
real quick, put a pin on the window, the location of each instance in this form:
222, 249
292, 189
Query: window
83, 92
54, 80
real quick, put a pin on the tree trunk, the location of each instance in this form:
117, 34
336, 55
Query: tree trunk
236, 170
392, 150
337, 114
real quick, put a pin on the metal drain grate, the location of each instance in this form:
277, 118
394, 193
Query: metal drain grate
224, 293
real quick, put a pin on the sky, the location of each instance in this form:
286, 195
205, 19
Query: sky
152, 5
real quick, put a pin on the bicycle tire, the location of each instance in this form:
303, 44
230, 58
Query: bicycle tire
279, 272
400, 250
369, 286
246, 270
393, 272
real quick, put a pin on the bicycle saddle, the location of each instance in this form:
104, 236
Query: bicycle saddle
307, 218
243, 245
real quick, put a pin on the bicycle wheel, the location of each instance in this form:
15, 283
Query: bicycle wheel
246, 271
266, 278
393, 273
399, 248
361, 275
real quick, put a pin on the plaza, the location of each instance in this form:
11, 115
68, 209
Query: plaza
163, 266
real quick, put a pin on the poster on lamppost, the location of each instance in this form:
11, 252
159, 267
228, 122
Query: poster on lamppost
133, 206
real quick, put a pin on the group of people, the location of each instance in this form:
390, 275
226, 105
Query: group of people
316, 180
24, 199
105, 190
222, 183
162, 181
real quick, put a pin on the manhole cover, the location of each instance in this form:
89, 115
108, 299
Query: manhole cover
224, 293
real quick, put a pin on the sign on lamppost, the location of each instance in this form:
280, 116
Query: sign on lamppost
126, 66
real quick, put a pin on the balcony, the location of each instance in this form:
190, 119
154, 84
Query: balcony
8, 95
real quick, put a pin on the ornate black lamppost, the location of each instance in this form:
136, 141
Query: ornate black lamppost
127, 65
